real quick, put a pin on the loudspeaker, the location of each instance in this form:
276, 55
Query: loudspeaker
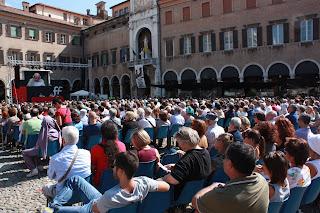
17, 76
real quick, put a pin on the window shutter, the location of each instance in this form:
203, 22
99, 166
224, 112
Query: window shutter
67, 39
53, 37
181, 46
38, 57
260, 36
297, 31
244, 38
20, 56
221, 37
58, 38
101, 58
8, 33
0, 29
235, 39
19, 33
44, 57
213, 42
43, 36
269, 35
107, 57
286, 32
37, 35
200, 43
193, 44
1, 57
26, 34
315, 28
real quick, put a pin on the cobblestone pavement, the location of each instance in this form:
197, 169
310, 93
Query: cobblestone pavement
17, 192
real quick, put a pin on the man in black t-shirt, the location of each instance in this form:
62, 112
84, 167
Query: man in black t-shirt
195, 164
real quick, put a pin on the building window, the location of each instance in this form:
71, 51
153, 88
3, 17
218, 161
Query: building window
168, 17
186, 14
15, 55
228, 40
277, 34
252, 37
124, 54
65, 16
126, 10
187, 45
169, 48
227, 6
206, 42
14, 32
76, 20
277, 1
116, 13
48, 37
85, 22
31, 34
121, 12
47, 57
63, 39
206, 9
104, 59
114, 56
75, 40
306, 32
251, 4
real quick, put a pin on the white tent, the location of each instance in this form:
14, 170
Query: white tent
80, 93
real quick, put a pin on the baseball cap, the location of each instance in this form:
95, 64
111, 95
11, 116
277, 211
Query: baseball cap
314, 143
211, 116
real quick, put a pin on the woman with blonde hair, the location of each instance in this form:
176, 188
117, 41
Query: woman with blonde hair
130, 122
140, 141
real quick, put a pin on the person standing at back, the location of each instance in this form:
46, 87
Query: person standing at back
63, 113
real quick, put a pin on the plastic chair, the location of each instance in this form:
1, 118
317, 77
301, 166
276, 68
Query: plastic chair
162, 132
31, 141
151, 202
293, 203
311, 192
150, 132
132, 208
53, 147
219, 176
93, 140
170, 158
274, 207
213, 152
146, 169
220, 122
107, 181
174, 129
80, 141
188, 191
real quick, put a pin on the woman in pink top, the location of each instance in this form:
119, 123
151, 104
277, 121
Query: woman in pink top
140, 141
63, 113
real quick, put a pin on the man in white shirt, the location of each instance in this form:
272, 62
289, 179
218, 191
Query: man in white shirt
60, 162
146, 120
177, 118
214, 130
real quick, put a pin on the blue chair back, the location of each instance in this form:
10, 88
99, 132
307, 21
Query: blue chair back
170, 158
107, 181
120, 136
187, 124
31, 141
16, 133
4, 130
127, 139
146, 169
163, 132
293, 203
311, 192
150, 132
219, 176
213, 152
274, 207
174, 129
155, 202
127, 209
80, 141
53, 147
188, 191
93, 140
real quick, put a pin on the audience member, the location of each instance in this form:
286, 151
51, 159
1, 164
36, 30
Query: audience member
201, 127
304, 130
314, 153
285, 129
213, 129
234, 129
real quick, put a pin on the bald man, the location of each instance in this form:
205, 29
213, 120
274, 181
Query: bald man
93, 128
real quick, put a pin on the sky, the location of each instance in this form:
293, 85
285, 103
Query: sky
79, 6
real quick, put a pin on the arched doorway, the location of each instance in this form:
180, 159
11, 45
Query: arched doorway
171, 84
76, 86
126, 87
208, 79
2, 91
97, 89
189, 83
306, 80
105, 87
115, 84
253, 80
279, 74
231, 83
144, 43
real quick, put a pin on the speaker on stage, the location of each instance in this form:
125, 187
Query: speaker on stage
17, 76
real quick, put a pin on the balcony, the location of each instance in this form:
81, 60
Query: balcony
144, 62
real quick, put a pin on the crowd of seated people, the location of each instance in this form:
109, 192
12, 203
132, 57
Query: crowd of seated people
265, 147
